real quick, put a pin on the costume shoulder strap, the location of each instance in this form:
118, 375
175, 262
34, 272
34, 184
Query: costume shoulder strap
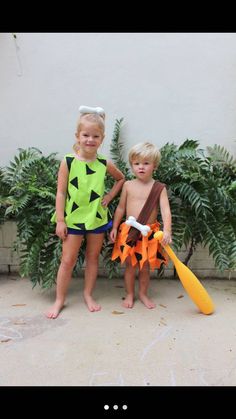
69, 158
102, 159
101, 156
151, 202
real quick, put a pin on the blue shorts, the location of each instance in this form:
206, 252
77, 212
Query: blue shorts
98, 230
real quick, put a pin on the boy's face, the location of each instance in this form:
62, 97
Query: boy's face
143, 168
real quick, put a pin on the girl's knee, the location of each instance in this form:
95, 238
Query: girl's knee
68, 262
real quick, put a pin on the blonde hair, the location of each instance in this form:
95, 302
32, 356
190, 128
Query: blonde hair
145, 151
93, 118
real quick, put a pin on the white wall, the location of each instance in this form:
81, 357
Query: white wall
167, 86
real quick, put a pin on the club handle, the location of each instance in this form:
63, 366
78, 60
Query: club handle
158, 236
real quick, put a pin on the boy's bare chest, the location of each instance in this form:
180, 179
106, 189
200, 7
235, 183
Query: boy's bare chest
139, 193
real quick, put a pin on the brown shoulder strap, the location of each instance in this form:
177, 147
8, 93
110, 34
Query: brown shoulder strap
152, 201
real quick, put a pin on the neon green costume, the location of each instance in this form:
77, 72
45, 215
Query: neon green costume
83, 208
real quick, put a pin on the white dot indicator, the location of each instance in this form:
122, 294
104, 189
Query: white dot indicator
124, 407
115, 407
106, 407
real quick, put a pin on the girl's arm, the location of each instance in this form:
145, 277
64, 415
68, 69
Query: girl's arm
166, 217
119, 212
120, 179
61, 229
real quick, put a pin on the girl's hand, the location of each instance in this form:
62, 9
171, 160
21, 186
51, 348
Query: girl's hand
106, 200
166, 238
61, 230
113, 234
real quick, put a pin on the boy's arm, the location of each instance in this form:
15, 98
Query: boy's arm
119, 212
120, 179
166, 217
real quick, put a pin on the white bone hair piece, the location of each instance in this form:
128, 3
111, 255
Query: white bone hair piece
89, 109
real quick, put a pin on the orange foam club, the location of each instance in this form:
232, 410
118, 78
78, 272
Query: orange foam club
191, 284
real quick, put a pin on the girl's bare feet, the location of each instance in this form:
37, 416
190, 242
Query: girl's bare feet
128, 301
146, 301
92, 305
54, 311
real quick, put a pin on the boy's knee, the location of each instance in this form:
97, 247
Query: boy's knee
91, 258
129, 264
145, 267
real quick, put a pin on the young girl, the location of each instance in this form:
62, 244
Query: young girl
81, 206
141, 198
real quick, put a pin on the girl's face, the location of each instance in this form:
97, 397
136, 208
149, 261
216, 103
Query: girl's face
143, 168
89, 138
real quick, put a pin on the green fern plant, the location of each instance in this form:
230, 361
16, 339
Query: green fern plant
116, 151
31, 182
203, 199
4, 193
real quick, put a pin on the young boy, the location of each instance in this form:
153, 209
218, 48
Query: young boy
141, 198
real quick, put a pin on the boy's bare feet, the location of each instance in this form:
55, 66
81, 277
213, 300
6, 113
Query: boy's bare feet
146, 301
92, 305
128, 301
53, 312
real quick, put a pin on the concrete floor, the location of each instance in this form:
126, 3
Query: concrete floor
171, 345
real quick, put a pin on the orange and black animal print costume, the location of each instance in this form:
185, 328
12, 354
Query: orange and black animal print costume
146, 248
130, 242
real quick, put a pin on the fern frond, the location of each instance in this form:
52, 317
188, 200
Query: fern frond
189, 144
219, 154
117, 148
217, 246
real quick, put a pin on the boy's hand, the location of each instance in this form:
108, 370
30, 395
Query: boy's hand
113, 234
61, 230
166, 238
